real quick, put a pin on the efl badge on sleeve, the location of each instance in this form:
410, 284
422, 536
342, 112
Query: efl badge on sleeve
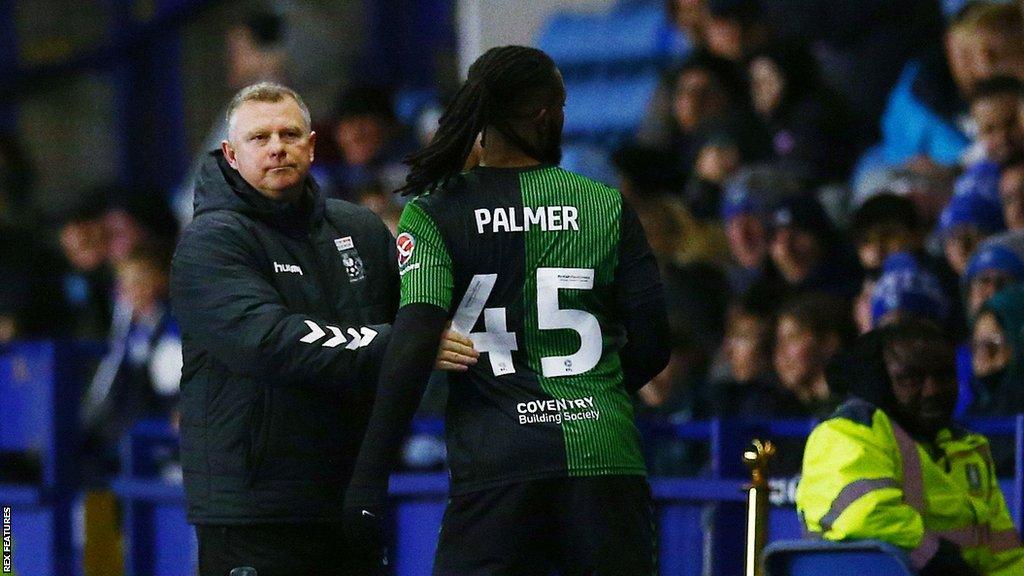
350, 259
974, 477
405, 244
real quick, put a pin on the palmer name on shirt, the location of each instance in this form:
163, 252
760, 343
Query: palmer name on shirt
513, 219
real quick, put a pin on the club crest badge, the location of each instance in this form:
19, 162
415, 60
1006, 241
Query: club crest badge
350, 259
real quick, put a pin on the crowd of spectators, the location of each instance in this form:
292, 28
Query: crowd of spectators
808, 171
790, 211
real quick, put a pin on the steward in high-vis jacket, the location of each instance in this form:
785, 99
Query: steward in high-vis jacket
889, 465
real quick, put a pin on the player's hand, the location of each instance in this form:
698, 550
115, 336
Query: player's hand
367, 544
456, 352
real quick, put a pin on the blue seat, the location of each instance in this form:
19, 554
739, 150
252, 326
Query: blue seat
40, 383
629, 35
817, 557
590, 161
604, 109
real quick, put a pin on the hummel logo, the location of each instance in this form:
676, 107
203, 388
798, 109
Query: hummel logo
287, 268
357, 337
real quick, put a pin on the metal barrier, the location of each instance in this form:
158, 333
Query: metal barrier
39, 388
700, 520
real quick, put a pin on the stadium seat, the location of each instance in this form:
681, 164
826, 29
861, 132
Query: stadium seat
590, 161
634, 34
608, 109
40, 383
817, 557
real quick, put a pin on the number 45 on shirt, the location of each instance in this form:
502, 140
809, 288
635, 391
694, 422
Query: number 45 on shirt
499, 343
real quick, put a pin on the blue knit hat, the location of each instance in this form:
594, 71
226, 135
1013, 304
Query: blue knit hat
906, 287
971, 210
739, 199
994, 257
979, 179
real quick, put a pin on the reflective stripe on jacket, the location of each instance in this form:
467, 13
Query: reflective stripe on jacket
865, 478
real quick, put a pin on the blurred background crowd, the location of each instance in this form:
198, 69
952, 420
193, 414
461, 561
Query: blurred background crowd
805, 170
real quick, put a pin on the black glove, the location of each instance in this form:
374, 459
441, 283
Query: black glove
367, 542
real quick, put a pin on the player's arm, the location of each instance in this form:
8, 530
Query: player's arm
640, 301
426, 270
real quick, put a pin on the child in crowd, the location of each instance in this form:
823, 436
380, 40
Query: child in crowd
810, 329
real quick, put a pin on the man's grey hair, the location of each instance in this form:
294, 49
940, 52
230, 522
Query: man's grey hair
266, 92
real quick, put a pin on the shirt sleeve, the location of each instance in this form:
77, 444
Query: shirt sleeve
423, 260
640, 301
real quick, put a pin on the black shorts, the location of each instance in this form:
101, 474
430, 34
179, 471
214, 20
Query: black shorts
273, 549
586, 526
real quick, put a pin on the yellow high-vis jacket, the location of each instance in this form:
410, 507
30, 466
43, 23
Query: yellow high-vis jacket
864, 477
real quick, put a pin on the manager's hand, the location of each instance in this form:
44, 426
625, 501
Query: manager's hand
456, 352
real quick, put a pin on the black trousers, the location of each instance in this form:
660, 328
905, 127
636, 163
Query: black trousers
585, 526
273, 549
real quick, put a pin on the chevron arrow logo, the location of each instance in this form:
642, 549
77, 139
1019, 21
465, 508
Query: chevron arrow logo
315, 333
360, 337
356, 339
338, 337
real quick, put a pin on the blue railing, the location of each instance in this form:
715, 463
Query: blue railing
40, 384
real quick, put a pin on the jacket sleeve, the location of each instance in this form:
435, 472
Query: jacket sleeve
640, 301
231, 311
851, 487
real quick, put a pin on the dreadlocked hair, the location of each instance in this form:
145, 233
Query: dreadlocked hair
503, 85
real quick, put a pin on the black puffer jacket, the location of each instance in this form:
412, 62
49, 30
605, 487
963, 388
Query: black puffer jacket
284, 312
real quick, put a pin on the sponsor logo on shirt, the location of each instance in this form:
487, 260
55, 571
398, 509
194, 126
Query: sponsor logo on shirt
405, 244
557, 411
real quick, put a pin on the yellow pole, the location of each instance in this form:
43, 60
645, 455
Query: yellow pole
756, 458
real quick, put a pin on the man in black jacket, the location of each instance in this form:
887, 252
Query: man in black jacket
284, 300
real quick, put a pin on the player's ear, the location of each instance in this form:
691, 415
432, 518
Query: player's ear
229, 153
312, 145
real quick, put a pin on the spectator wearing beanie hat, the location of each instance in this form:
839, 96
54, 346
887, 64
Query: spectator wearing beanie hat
807, 253
745, 205
997, 357
972, 214
991, 268
907, 289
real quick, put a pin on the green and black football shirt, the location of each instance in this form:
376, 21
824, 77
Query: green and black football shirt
524, 261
